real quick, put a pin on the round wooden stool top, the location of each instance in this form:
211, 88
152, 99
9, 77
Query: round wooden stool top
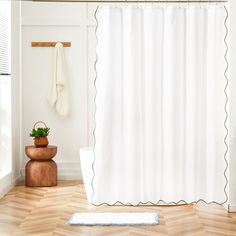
41, 153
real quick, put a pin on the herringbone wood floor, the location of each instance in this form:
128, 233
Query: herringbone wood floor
45, 211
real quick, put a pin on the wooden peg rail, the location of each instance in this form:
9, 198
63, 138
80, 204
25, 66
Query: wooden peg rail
49, 44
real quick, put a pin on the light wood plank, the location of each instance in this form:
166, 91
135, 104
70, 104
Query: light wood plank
44, 212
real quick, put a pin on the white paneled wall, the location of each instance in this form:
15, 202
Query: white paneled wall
59, 22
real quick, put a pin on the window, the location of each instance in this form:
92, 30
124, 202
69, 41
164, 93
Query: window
5, 87
5, 37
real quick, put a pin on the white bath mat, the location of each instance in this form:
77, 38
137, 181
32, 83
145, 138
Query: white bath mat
108, 219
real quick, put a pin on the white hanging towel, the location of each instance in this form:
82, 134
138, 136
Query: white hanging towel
58, 94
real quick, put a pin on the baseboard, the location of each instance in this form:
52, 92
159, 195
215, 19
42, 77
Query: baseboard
232, 208
65, 171
69, 171
6, 184
17, 180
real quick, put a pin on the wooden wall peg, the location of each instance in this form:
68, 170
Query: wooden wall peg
49, 44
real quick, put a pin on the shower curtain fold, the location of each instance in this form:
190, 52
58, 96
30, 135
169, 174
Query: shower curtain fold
160, 104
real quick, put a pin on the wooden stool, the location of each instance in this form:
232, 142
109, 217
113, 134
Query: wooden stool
41, 171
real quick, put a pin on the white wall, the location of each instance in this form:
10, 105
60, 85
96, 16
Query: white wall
75, 22
69, 22
232, 107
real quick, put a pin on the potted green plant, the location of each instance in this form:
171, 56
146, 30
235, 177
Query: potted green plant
40, 135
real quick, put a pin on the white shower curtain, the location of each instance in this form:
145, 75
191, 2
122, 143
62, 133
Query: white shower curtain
160, 104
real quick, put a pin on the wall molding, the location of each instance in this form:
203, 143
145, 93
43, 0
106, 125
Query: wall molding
47, 22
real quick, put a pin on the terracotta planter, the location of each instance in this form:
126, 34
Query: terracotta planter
41, 142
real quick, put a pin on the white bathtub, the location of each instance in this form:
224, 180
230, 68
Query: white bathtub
86, 161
